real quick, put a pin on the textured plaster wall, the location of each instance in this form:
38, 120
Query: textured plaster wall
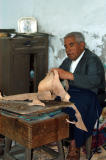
58, 17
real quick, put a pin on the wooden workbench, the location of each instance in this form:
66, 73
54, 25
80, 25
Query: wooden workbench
32, 132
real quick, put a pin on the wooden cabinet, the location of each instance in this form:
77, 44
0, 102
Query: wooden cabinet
19, 57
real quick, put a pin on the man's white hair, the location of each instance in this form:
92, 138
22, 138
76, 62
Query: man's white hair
78, 36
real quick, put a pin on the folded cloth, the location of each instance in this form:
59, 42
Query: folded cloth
87, 104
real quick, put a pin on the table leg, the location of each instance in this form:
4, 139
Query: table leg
7, 148
28, 154
60, 150
8, 143
1, 144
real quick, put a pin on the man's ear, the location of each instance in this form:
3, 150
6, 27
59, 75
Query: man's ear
82, 45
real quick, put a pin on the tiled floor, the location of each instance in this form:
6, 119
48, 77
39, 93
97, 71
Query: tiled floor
96, 156
42, 155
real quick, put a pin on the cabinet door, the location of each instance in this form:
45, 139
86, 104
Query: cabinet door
40, 66
15, 63
19, 79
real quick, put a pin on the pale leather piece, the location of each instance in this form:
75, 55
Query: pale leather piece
45, 95
19, 96
79, 124
46, 83
36, 101
52, 83
0, 96
58, 89
50, 87
25, 96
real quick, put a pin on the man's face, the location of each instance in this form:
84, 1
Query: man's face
73, 48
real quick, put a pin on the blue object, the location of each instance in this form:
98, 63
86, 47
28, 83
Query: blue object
32, 74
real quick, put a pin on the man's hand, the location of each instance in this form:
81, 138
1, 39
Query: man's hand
63, 74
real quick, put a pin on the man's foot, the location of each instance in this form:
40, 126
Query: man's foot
73, 152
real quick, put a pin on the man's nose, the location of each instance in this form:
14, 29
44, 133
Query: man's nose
68, 49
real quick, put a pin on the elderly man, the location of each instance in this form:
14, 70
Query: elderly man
86, 77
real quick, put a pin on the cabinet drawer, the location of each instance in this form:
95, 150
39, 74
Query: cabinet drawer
29, 43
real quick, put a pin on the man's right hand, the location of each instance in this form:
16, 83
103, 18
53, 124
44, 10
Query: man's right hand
63, 74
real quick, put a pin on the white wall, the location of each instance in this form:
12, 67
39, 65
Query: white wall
58, 17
